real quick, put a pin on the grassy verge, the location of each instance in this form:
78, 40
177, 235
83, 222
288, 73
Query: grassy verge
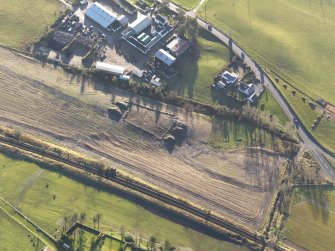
24, 185
268, 103
24, 22
195, 76
311, 219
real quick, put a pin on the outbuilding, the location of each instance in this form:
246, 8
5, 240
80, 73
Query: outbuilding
101, 15
110, 68
140, 24
165, 57
178, 46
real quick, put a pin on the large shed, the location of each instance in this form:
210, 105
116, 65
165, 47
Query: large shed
141, 23
101, 15
110, 68
165, 57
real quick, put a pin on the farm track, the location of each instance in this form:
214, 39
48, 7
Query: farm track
140, 188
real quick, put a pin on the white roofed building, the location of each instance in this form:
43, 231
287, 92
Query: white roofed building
141, 23
101, 15
165, 57
110, 68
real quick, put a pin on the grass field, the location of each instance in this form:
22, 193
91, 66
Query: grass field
311, 221
196, 76
24, 185
23, 22
324, 132
13, 236
293, 37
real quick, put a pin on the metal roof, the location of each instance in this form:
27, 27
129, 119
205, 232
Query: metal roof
111, 68
101, 15
142, 22
165, 57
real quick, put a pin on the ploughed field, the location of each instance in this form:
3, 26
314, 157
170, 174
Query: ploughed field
238, 184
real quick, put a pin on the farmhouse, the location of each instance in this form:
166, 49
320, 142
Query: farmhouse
110, 68
229, 78
165, 57
177, 46
246, 89
101, 15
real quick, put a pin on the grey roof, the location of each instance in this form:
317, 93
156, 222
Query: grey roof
101, 15
165, 57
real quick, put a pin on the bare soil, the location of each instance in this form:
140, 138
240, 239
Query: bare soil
73, 111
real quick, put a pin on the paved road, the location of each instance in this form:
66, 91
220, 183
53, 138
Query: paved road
309, 142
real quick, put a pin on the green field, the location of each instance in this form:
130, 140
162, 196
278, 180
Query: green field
13, 236
23, 22
24, 185
293, 37
311, 220
196, 76
325, 131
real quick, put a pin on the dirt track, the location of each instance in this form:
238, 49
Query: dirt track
47, 102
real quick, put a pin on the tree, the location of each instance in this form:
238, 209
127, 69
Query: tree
152, 241
94, 221
82, 217
65, 219
98, 217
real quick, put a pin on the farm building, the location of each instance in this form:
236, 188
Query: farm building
140, 24
101, 15
165, 57
60, 39
178, 46
110, 68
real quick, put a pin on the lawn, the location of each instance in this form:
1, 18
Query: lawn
311, 221
293, 37
196, 76
13, 236
24, 22
25, 185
